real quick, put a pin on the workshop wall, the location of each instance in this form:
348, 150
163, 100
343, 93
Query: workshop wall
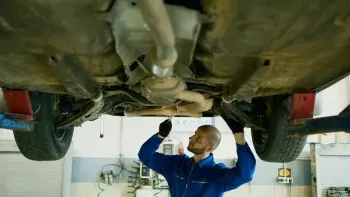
330, 102
91, 153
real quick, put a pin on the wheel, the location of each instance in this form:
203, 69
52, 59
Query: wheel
276, 145
45, 143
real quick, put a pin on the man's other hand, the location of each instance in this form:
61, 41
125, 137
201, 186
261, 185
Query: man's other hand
165, 128
235, 126
239, 138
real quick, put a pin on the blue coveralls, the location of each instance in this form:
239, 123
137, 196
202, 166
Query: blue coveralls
205, 178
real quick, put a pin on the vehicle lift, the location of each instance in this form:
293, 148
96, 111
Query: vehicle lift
302, 122
20, 115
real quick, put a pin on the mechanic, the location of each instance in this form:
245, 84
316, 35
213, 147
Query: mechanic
200, 175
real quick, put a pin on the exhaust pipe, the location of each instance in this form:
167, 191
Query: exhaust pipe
164, 86
192, 110
168, 111
164, 55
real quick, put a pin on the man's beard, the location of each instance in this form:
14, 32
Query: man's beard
196, 151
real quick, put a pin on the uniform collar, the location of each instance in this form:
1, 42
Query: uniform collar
204, 162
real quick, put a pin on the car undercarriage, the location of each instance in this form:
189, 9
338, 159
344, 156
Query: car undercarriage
174, 57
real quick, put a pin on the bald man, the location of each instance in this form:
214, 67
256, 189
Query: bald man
200, 175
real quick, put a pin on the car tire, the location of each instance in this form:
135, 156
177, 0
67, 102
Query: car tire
276, 145
45, 143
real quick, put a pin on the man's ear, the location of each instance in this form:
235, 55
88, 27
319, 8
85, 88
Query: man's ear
210, 148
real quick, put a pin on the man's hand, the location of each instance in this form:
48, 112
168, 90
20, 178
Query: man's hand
165, 128
235, 126
239, 138
237, 129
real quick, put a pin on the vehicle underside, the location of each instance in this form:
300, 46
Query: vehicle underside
173, 57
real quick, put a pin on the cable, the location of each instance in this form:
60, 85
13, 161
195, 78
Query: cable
121, 170
290, 188
98, 184
156, 194
102, 170
137, 182
101, 190
100, 193
121, 167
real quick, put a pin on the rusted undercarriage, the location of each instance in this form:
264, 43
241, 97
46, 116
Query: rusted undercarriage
172, 59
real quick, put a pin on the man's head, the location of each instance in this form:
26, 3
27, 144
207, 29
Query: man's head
205, 140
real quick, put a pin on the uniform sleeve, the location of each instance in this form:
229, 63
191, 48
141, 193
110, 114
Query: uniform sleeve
232, 178
156, 161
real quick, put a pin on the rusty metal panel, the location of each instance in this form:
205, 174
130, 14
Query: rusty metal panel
256, 48
275, 47
28, 29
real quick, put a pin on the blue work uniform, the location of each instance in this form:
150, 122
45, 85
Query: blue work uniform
205, 178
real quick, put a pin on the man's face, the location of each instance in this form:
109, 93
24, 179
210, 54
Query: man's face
199, 143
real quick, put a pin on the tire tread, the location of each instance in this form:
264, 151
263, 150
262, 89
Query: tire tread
41, 144
281, 147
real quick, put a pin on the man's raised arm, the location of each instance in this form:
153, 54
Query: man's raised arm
231, 178
148, 155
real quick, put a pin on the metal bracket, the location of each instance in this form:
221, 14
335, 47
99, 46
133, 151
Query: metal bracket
86, 114
18, 101
230, 109
72, 74
302, 106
